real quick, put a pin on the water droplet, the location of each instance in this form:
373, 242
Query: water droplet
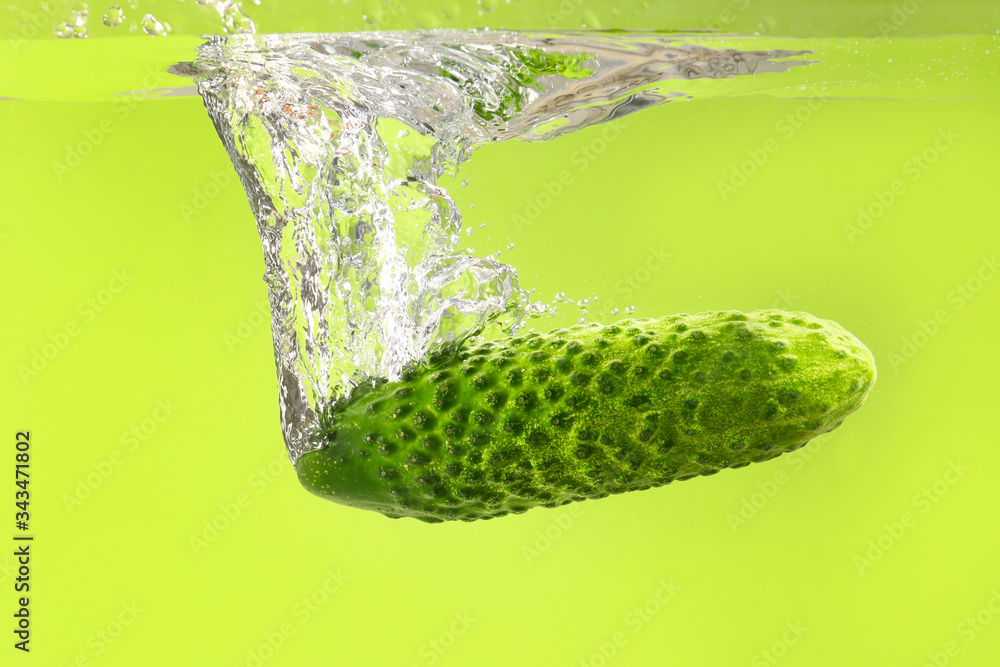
80, 31
63, 30
151, 26
630, 309
510, 246
465, 182
234, 21
114, 15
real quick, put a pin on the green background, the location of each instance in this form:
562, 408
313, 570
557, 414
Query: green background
710, 572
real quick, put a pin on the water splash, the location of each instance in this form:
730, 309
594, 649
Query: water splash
234, 19
339, 141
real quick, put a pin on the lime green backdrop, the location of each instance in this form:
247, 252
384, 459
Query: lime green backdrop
170, 528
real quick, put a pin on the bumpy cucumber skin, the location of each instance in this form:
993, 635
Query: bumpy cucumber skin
547, 419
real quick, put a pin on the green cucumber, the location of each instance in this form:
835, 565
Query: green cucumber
546, 419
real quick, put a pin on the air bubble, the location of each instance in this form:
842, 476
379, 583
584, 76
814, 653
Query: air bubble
113, 16
152, 27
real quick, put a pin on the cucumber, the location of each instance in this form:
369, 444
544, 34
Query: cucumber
484, 430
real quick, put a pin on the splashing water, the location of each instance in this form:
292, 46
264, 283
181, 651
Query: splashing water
234, 19
339, 141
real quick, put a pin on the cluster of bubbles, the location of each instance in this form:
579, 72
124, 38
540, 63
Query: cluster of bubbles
76, 26
234, 19
585, 305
